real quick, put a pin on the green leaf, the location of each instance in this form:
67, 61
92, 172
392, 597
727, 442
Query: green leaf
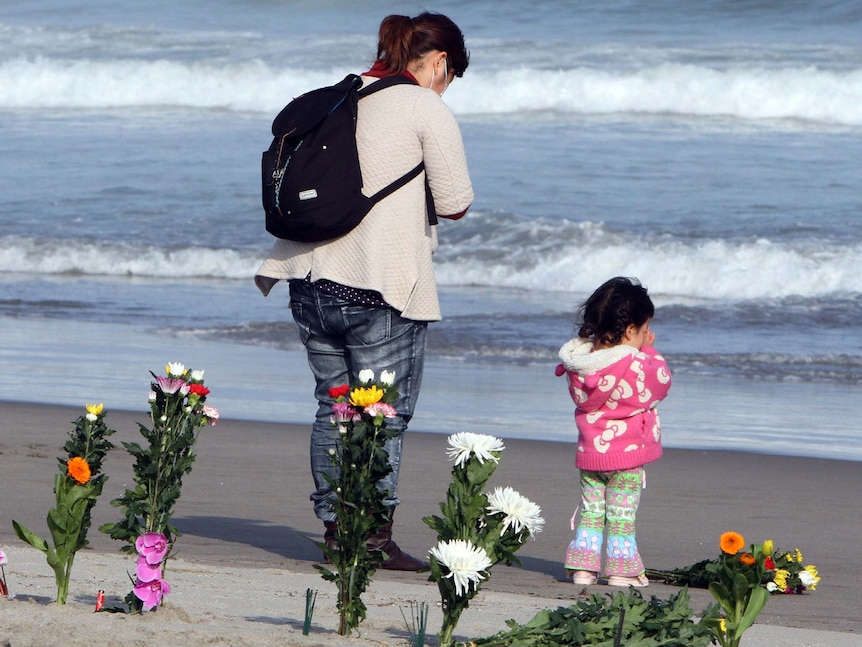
30, 537
756, 602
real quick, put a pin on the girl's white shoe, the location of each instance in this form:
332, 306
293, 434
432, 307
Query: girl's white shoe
637, 581
584, 578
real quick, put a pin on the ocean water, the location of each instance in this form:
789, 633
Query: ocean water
710, 149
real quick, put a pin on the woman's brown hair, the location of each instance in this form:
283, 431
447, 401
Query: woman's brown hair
403, 39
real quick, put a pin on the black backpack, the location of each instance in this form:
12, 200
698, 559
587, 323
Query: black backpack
312, 183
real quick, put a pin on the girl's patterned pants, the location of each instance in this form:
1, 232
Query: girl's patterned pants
609, 503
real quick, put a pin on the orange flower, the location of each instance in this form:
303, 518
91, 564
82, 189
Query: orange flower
747, 559
78, 469
731, 543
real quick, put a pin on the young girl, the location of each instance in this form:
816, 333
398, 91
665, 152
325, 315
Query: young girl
616, 379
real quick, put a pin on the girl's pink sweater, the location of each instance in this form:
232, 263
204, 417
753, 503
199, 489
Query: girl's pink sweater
616, 391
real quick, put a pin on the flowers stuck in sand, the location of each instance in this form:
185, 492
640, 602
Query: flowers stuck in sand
178, 410
742, 581
519, 513
359, 413
79, 470
731, 543
76, 488
464, 445
150, 588
476, 530
152, 547
466, 564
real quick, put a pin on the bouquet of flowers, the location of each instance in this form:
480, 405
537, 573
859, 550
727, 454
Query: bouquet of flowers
359, 414
784, 573
178, 410
789, 575
736, 580
76, 488
477, 529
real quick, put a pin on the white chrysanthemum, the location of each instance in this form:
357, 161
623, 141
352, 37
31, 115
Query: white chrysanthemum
175, 369
465, 444
806, 578
366, 375
387, 378
465, 562
519, 512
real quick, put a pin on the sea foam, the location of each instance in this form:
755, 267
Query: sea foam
807, 94
673, 269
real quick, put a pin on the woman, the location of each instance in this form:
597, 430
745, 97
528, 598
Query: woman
364, 300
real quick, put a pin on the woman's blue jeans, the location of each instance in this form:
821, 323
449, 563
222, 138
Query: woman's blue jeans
341, 339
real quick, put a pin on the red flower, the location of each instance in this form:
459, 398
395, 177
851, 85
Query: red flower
769, 564
198, 389
339, 391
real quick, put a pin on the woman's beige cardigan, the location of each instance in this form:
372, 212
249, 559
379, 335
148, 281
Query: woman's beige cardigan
390, 251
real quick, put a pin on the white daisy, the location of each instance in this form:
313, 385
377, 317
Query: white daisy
520, 512
464, 444
464, 561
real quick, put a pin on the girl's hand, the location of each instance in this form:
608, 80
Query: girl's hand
649, 338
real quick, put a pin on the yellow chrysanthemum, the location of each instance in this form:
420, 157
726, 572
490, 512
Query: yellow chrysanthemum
363, 396
780, 579
723, 626
798, 556
78, 469
95, 409
811, 568
731, 542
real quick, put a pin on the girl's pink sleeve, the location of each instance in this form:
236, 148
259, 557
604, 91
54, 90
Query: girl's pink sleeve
657, 373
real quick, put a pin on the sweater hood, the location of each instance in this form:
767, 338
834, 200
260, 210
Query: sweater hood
578, 356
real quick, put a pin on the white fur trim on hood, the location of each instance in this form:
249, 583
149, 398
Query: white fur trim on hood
577, 355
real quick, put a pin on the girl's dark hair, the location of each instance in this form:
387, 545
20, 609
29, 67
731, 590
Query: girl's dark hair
403, 39
612, 308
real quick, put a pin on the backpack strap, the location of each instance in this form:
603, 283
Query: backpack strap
397, 184
386, 82
382, 84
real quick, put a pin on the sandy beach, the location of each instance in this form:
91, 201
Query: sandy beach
245, 559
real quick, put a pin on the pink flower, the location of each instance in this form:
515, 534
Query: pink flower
378, 408
211, 414
153, 546
171, 385
151, 593
3, 559
147, 572
343, 412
